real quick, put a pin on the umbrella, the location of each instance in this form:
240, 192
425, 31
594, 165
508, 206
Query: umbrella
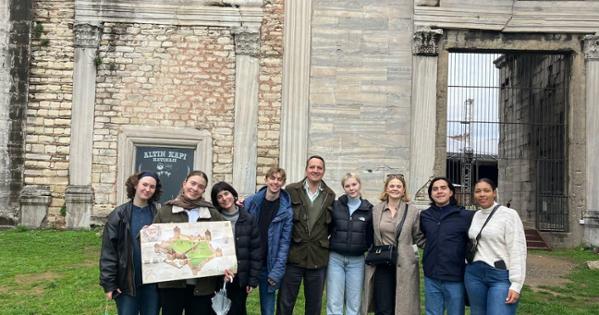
220, 302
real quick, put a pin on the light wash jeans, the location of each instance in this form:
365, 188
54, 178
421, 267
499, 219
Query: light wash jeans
345, 279
443, 295
487, 289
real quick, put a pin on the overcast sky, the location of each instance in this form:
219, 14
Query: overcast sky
473, 76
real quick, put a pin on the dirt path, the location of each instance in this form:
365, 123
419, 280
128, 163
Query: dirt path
547, 271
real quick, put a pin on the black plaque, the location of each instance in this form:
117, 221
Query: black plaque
171, 165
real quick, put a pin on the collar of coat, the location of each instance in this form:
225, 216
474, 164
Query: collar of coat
204, 212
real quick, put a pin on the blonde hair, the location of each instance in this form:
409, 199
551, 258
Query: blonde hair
384, 196
348, 176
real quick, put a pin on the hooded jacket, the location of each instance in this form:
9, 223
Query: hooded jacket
279, 232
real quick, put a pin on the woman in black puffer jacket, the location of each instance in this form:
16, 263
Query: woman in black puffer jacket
351, 236
247, 245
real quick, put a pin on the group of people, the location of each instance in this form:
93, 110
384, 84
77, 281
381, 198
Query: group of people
302, 234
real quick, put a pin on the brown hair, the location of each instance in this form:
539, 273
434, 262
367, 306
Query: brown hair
197, 173
275, 169
384, 196
133, 180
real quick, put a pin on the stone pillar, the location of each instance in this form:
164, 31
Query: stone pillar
425, 50
591, 218
34, 205
247, 69
79, 201
15, 38
295, 107
87, 38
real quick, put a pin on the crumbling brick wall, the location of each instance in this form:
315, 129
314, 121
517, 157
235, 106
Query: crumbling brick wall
161, 76
50, 99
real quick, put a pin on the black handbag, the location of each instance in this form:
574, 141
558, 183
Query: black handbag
471, 245
385, 254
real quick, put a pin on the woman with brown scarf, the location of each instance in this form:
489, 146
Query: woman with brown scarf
191, 295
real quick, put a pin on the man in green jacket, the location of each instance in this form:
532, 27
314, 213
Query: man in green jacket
309, 248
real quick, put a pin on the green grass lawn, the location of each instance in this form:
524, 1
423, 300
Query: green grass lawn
56, 272
580, 296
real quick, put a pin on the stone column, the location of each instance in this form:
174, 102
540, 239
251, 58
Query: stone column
247, 68
34, 205
591, 218
15, 38
87, 38
296, 88
425, 49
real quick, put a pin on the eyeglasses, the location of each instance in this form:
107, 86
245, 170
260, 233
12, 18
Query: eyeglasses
395, 176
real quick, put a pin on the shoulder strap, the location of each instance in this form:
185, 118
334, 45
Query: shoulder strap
486, 221
400, 225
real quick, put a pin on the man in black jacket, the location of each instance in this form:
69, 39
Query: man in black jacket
308, 251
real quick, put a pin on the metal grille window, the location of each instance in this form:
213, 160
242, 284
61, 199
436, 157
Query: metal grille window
506, 120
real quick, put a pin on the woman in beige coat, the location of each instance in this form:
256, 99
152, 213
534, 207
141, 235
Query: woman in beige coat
394, 289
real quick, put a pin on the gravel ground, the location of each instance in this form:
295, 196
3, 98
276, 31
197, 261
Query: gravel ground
545, 270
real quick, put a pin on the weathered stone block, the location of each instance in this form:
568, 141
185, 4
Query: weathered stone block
79, 203
34, 205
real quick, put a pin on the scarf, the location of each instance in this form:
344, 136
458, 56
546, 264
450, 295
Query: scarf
186, 203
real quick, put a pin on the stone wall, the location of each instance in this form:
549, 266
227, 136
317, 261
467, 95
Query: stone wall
517, 169
161, 76
269, 95
13, 116
148, 75
360, 89
50, 99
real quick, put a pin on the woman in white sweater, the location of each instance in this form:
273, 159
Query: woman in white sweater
495, 277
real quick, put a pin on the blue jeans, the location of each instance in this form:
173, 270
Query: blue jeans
487, 289
443, 295
267, 295
345, 278
146, 301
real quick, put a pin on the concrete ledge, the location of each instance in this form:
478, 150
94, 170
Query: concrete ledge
228, 13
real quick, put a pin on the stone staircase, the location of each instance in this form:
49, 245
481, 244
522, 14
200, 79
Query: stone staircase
534, 240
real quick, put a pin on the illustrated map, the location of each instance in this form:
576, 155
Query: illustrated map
175, 251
